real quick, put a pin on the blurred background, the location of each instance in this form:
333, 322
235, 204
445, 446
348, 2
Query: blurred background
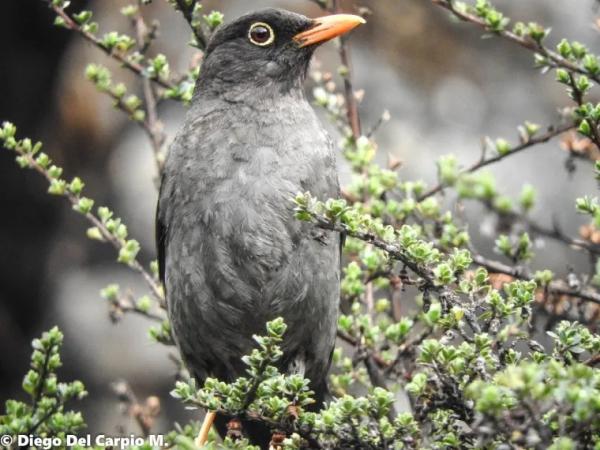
444, 87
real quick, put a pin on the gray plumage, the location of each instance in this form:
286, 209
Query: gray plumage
231, 253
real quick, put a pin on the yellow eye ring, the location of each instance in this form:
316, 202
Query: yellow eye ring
261, 34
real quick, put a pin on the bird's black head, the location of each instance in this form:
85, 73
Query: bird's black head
271, 47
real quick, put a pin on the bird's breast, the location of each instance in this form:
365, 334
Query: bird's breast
232, 174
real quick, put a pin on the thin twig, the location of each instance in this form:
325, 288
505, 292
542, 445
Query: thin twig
187, 10
383, 118
556, 59
351, 103
577, 96
122, 304
407, 347
482, 162
105, 233
554, 232
33, 428
152, 124
381, 362
134, 67
558, 287
144, 413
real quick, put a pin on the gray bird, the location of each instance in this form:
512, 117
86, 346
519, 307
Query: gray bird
231, 254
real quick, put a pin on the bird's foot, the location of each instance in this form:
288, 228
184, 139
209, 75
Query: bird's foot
234, 429
277, 441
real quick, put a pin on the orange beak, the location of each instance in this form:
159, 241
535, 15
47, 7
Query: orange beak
328, 27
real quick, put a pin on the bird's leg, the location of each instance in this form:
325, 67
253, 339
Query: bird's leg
279, 436
277, 440
234, 429
209, 419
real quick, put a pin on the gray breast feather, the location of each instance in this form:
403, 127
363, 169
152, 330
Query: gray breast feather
231, 253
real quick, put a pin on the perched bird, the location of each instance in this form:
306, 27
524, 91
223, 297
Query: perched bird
232, 255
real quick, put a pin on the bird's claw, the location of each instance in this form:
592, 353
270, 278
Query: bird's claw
234, 429
277, 441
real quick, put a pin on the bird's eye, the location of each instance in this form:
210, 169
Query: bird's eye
261, 34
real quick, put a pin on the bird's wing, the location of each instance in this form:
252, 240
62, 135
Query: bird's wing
160, 235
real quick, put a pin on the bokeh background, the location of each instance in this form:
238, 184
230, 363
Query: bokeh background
445, 89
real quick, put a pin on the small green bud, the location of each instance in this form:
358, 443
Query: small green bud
543, 277
586, 205
343, 71
60, 22
129, 251
276, 328
531, 128
110, 40
585, 128
503, 204
55, 172
458, 313
90, 27
417, 384
139, 115
143, 304
520, 29
583, 84
154, 268
110, 292
213, 19
503, 245
564, 48
82, 17
382, 305
25, 145
104, 213
579, 50
448, 169
398, 331
119, 90
121, 231
502, 147
99, 75
132, 102
76, 186
129, 10
95, 234
8, 130
434, 314
444, 274
345, 323
23, 162
57, 187
159, 67
562, 76
537, 32
84, 205
43, 160
590, 63
527, 197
